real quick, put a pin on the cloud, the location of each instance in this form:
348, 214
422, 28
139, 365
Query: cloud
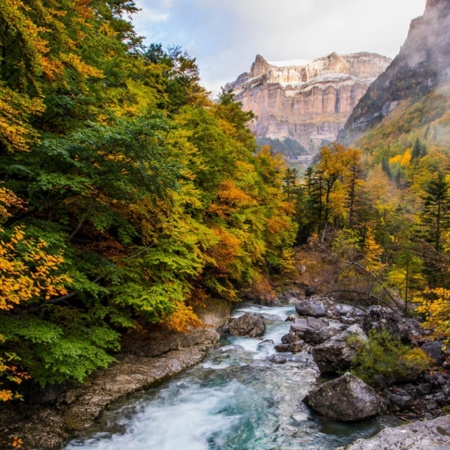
225, 35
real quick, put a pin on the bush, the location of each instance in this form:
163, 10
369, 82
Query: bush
385, 355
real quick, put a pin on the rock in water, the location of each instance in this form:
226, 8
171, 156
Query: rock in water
427, 435
346, 399
248, 325
311, 308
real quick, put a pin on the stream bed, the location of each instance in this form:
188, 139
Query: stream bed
234, 400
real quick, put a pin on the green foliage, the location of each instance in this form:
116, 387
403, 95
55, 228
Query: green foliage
385, 355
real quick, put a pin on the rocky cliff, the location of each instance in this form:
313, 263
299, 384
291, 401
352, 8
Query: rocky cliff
421, 68
307, 102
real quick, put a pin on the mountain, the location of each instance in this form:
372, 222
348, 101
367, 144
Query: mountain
306, 102
411, 98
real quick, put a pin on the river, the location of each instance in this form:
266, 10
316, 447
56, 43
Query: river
234, 400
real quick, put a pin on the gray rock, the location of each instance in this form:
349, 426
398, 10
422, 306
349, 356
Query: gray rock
427, 435
346, 399
311, 308
247, 325
315, 331
336, 354
291, 318
346, 313
434, 350
278, 359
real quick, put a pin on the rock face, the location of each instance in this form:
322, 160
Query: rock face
309, 102
248, 325
422, 64
427, 435
346, 399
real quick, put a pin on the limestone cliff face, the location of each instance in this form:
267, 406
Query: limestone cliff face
421, 66
306, 102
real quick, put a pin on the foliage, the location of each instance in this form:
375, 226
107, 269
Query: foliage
434, 304
127, 192
385, 355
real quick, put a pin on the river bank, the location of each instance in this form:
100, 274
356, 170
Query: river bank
148, 358
276, 382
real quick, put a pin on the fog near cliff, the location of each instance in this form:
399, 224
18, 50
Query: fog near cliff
225, 35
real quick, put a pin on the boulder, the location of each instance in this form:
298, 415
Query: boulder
311, 308
336, 354
426, 435
346, 313
278, 359
346, 399
315, 331
294, 347
249, 325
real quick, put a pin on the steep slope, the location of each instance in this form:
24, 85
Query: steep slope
412, 95
307, 102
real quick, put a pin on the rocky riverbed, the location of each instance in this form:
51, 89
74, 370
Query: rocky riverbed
311, 337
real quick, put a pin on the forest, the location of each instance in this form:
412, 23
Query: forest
127, 196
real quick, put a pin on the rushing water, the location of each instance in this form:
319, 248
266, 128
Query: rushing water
235, 400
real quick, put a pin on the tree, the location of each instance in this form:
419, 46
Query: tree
436, 211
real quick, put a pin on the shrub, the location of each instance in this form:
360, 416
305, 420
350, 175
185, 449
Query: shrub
385, 355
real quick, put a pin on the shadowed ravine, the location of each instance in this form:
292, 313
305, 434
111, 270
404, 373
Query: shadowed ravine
235, 399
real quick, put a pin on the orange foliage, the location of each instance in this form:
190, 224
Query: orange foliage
226, 251
278, 224
183, 319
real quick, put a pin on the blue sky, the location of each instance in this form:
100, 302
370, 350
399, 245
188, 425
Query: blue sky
225, 35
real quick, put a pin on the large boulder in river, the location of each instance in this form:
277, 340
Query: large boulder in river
336, 354
249, 325
428, 435
346, 399
315, 331
311, 308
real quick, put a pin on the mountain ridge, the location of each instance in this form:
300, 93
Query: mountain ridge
308, 103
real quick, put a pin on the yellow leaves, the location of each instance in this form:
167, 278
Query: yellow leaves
372, 253
435, 306
84, 70
15, 108
6, 395
28, 272
402, 160
9, 200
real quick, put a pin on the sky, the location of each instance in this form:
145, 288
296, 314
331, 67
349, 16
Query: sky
225, 35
